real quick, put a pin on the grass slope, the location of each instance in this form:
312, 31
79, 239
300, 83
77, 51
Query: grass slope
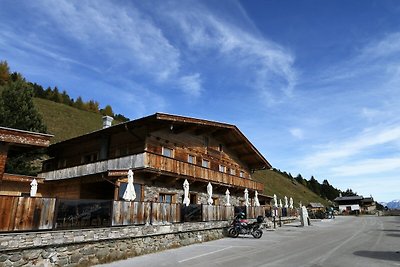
275, 183
65, 122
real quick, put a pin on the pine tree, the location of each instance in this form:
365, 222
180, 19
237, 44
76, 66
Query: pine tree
56, 97
17, 109
107, 111
79, 103
4, 73
93, 106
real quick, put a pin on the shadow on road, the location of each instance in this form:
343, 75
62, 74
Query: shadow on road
393, 235
381, 255
391, 230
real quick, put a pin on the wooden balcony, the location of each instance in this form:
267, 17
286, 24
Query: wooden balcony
158, 163
182, 168
122, 163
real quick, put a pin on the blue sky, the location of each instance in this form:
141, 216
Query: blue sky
314, 85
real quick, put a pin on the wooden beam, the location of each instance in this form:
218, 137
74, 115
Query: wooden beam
204, 130
234, 145
24, 138
177, 129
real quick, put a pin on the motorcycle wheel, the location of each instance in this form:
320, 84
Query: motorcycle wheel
232, 232
257, 233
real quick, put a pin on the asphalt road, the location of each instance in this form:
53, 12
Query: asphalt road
344, 241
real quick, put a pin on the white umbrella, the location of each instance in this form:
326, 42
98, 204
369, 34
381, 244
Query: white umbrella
275, 201
246, 197
291, 203
256, 202
209, 192
286, 202
129, 194
186, 199
34, 186
227, 196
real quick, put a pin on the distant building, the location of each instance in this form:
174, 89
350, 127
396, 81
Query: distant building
315, 207
368, 205
358, 204
14, 141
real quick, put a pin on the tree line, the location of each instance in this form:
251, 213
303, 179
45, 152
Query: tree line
324, 190
55, 95
18, 111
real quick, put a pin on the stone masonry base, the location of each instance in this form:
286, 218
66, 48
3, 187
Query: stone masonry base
87, 247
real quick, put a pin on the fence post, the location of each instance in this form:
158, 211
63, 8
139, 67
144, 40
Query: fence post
112, 213
55, 214
151, 212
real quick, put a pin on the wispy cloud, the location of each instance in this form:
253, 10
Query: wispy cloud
264, 65
368, 166
127, 37
191, 84
339, 151
297, 133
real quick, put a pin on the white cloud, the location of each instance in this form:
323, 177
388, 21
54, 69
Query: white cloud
368, 166
387, 46
265, 66
330, 154
297, 133
125, 35
191, 84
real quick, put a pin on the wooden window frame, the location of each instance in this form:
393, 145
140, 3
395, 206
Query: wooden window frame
222, 168
165, 149
204, 165
193, 157
162, 195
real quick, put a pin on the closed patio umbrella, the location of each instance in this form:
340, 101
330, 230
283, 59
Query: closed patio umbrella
129, 194
34, 186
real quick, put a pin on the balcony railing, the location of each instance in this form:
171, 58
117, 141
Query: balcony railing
122, 163
155, 162
171, 165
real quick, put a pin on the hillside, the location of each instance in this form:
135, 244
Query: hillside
65, 122
275, 183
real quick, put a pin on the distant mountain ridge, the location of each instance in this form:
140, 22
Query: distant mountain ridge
393, 205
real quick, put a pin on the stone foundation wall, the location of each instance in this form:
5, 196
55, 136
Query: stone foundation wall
86, 247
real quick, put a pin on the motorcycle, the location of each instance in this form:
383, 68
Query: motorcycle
241, 226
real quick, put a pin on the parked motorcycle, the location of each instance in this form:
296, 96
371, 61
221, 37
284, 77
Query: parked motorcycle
240, 226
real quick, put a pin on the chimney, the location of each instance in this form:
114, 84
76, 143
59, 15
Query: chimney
107, 121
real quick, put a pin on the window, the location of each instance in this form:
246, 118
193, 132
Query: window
61, 163
122, 151
138, 191
167, 152
193, 198
89, 158
205, 163
232, 171
215, 201
221, 168
192, 159
241, 174
165, 198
